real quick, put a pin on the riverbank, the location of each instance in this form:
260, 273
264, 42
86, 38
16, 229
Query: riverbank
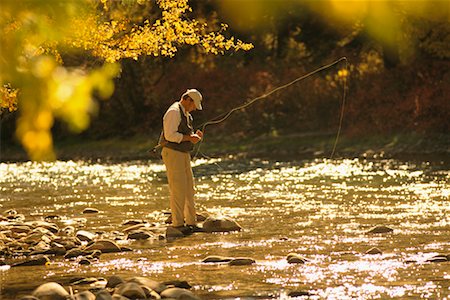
277, 147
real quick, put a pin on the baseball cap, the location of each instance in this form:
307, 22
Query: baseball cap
196, 96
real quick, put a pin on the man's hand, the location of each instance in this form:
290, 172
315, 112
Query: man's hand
194, 138
199, 133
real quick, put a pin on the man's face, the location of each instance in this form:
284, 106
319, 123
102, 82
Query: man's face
191, 105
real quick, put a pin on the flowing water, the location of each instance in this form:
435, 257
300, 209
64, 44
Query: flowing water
320, 209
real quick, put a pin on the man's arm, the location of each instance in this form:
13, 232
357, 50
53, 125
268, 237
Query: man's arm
171, 121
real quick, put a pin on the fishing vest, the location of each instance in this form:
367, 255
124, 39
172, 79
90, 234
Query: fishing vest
184, 128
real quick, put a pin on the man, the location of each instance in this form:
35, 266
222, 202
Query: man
178, 139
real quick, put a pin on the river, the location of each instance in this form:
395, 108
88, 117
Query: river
319, 208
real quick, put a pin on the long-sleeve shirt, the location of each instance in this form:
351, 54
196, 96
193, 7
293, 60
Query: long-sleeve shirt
171, 121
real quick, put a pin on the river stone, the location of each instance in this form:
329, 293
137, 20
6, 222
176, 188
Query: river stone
57, 249
242, 261
85, 236
36, 261
20, 229
52, 227
216, 259
114, 281
380, 229
299, 294
374, 250
134, 227
75, 252
172, 232
178, 293
139, 235
106, 246
151, 284
224, 224
90, 210
133, 222
439, 258
68, 230
51, 291
183, 284
103, 295
119, 297
85, 295
294, 258
130, 290
84, 262
200, 217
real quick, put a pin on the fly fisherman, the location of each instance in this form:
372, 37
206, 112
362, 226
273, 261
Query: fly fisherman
177, 141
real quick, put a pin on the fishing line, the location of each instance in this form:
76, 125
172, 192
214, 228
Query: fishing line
223, 117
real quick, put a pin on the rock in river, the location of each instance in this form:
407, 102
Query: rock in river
380, 229
106, 246
90, 210
51, 291
294, 258
223, 224
36, 261
178, 293
374, 250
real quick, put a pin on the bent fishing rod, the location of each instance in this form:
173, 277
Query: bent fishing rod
224, 116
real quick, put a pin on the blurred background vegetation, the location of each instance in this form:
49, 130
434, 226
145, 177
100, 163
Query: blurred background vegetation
60, 57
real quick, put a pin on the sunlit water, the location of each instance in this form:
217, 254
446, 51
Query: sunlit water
320, 209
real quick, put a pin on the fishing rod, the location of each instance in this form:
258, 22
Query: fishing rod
224, 116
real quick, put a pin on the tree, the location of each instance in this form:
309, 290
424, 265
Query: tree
35, 79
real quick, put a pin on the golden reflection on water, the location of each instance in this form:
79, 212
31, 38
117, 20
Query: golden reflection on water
320, 209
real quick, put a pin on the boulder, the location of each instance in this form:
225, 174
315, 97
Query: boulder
50, 291
223, 224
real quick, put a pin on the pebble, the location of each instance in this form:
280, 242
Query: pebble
90, 210
217, 259
242, 261
294, 258
380, 229
373, 250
